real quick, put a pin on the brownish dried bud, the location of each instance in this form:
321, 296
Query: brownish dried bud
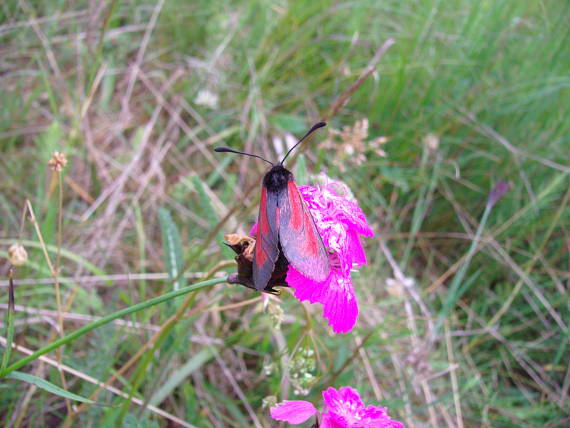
57, 161
244, 246
17, 255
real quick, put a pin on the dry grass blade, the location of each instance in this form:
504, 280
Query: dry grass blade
55, 274
453, 375
135, 68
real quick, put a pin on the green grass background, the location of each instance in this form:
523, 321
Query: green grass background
113, 85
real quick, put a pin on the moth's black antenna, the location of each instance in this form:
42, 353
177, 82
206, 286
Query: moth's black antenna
228, 150
309, 132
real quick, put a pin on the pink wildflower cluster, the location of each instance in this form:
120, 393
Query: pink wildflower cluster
343, 408
340, 222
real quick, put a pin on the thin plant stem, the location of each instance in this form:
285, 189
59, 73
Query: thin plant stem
58, 253
59, 353
9, 322
54, 273
106, 320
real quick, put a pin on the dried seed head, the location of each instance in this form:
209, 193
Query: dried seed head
351, 145
17, 255
57, 161
432, 142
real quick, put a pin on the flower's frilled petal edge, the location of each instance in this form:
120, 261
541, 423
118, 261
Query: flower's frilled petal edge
379, 418
385, 422
341, 406
336, 294
330, 199
355, 249
294, 412
340, 222
344, 408
337, 400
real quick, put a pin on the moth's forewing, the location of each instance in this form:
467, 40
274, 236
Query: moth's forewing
298, 235
266, 240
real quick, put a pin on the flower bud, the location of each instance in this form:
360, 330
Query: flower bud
17, 255
498, 192
57, 161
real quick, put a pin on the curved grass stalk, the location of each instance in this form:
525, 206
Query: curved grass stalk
107, 319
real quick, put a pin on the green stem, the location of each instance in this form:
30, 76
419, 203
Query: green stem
9, 323
111, 317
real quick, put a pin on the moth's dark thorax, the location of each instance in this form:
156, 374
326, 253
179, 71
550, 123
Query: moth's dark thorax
276, 179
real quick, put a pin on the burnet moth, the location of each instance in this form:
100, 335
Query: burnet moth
284, 224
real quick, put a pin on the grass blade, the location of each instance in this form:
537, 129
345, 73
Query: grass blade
48, 386
9, 322
106, 320
172, 248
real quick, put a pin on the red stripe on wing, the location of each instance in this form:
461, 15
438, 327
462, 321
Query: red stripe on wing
296, 220
300, 216
311, 245
262, 228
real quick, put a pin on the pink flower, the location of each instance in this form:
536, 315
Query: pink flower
340, 222
343, 409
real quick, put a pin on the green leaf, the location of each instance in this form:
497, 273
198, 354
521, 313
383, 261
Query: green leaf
172, 248
48, 386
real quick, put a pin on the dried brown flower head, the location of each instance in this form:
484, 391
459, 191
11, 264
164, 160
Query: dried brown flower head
351, 145
243, 246
17, 255
57, 161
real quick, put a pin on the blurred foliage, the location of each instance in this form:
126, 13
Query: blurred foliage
471, 93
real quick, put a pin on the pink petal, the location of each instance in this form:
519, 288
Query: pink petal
386, 422
355, 249
294, 412
345, 409
345, 397
329, 421
336, 294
